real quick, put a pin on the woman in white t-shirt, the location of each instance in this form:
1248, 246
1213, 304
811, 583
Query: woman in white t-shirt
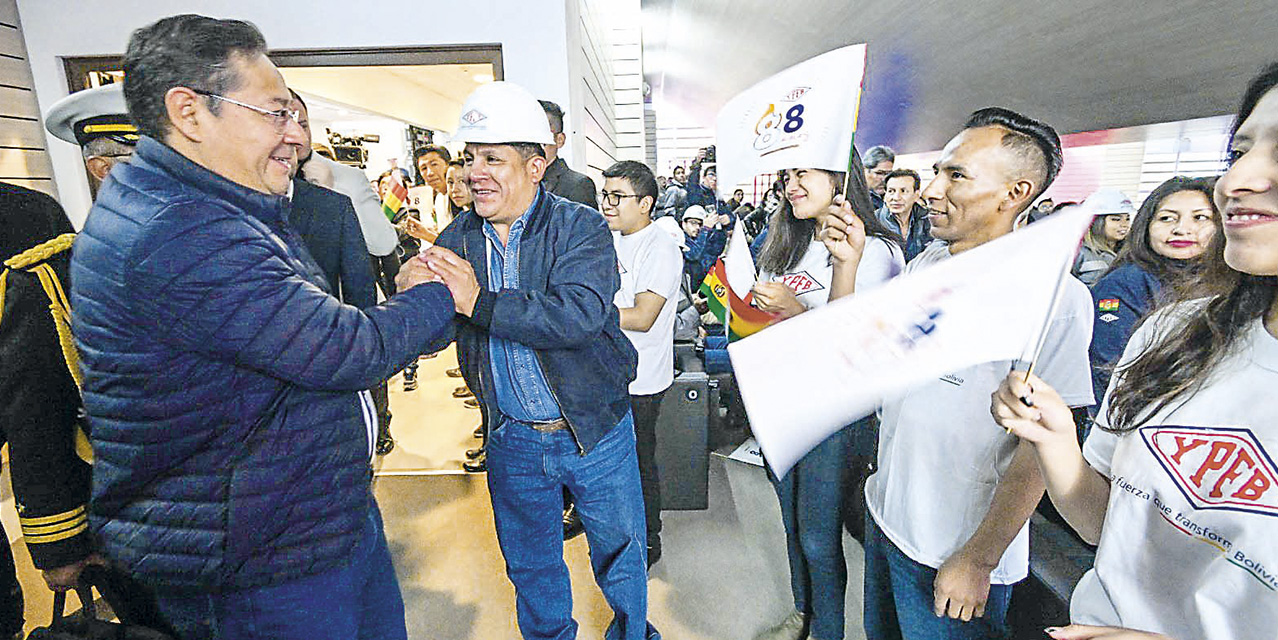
1179, 484
821, 246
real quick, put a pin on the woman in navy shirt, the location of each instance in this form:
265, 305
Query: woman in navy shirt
1171, 231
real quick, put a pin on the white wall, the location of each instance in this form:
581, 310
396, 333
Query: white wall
532, 35
590, 118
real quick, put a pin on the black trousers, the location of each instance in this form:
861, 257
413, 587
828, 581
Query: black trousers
11, 603
385, 268
646, 411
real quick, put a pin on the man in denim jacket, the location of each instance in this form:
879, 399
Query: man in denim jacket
540, 343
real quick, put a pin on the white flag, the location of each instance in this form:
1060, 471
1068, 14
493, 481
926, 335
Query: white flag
738, 264
804, 379
803, 117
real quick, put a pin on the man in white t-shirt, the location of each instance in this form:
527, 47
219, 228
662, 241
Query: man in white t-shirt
432, 162
950, 503
650, 264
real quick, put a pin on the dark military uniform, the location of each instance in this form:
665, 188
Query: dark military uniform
39, 400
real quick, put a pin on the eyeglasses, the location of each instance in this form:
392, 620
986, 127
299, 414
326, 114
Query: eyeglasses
614, 199
278, 117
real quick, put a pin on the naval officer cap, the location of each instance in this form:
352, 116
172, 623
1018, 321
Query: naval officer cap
93, 113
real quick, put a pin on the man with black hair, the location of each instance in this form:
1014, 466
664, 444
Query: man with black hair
540, 342
947, 533
651, 267
559, 179
225, 385
902, 213
432, 162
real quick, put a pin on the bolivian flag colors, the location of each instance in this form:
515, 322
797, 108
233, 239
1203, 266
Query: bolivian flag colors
737, 315
395, 197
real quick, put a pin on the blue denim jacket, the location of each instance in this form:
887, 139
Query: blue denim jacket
561, 309
518, 381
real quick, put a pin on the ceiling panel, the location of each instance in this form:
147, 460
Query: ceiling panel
1081, 65
428, 96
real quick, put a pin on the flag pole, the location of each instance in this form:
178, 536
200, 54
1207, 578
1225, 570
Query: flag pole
1051, 312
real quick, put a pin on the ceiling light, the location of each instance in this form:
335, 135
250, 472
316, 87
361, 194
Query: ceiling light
482, 78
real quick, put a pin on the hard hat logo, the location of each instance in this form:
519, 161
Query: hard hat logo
503, 113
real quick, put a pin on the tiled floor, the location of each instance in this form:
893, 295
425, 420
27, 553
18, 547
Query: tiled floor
723, 575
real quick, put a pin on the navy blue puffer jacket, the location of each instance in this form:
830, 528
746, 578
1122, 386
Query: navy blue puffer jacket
221, 380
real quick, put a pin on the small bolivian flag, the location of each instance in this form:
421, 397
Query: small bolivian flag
395, 197
737, 315
1108, 304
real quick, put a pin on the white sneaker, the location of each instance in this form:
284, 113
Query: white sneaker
790, 629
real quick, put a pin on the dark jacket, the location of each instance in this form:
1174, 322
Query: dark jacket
39, 401
1122, 297
327, 223
920, 229
220, 378
566, 183
562, 309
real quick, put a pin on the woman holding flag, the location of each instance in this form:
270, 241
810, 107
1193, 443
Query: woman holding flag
824, 243
1178, 485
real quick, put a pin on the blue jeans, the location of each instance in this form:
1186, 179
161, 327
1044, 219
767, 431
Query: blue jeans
527, 472
899, 598
811, 496
360, 599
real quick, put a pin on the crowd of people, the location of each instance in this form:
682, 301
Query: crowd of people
213, 345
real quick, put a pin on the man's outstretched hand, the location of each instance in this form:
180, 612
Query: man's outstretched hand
413, 273
457, 274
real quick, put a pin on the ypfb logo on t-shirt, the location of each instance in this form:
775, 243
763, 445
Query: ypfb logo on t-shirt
1217, 467
801, 282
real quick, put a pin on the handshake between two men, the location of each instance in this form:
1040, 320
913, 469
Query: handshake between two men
437, 264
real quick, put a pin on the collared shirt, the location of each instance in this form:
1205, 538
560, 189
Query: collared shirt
520, 385
920, 229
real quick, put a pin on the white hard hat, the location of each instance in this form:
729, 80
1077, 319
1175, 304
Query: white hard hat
1108, 202
502, 113
695, 211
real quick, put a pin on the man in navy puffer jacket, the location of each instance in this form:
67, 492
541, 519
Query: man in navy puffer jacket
222, 378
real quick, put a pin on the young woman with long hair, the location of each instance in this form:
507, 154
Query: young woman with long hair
822, 244
1160, 260
1178, 484
459, 198
1105, 236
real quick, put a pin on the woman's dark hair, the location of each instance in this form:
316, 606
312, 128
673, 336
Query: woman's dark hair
183, 51
1174, 275
1181, 359
460, 165
789, 237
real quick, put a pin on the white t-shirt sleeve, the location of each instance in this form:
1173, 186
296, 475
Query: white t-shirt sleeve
1064, 364
881, 261
1098, 449
661, 269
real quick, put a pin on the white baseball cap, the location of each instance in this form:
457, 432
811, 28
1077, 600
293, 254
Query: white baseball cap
1109, 202
503, 113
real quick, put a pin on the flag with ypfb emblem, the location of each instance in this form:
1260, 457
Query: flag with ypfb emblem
727, 290
802, 117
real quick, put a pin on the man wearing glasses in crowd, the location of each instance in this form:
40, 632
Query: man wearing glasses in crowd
225, 385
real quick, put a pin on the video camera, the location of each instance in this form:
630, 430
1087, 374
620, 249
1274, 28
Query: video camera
350, 150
